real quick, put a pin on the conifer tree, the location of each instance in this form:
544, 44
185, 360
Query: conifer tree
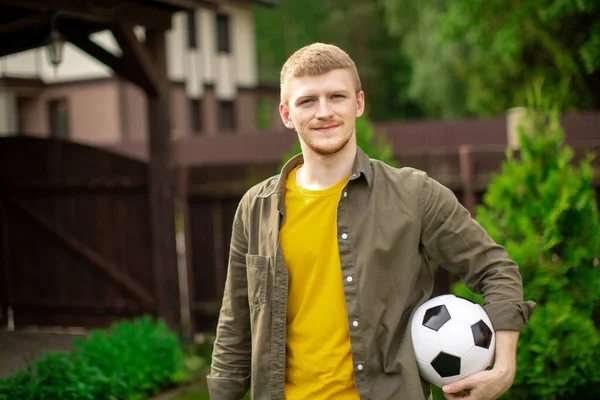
542, 209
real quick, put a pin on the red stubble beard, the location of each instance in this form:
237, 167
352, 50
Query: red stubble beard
332, 146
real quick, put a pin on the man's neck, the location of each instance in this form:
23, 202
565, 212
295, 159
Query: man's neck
322, 172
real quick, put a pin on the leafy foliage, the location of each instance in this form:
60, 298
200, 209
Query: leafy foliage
384, 69
479, 57
542, 208
141, 354
134, 360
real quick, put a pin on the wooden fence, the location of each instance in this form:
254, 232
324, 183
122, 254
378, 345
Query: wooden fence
74, 234
212, 194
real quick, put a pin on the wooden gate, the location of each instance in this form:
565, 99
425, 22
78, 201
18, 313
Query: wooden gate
75, 235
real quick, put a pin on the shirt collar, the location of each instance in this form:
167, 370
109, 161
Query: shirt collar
360, 169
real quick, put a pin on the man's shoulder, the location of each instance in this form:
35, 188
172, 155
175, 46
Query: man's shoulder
406, 176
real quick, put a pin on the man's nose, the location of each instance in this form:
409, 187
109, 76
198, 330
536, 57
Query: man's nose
325, 110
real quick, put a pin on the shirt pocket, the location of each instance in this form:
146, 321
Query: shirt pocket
257, 268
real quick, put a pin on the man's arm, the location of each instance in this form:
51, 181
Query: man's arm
229, 378
490, 384
452, 239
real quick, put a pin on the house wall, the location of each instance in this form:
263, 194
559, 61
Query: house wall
104, 109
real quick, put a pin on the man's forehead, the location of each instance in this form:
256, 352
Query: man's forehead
334, 80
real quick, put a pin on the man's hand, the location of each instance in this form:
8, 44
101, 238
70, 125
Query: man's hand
489, 384
484, 385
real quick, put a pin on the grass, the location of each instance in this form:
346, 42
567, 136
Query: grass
198, 394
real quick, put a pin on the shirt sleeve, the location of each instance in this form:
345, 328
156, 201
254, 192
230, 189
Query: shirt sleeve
457, 243
229, 377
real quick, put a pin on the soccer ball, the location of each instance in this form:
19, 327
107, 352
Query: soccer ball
452, 339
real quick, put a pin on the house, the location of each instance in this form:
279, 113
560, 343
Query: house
211, 64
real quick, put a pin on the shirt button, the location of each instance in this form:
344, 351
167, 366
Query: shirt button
354, 323
345, 194
359, 367
344, 236
349, 279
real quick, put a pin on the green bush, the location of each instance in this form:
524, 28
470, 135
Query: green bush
132, 361
542, 209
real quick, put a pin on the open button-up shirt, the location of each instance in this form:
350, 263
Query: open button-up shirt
395, 227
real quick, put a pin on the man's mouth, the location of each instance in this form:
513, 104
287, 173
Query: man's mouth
326, 128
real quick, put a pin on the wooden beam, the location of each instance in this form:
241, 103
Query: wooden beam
183, 176
219, 245
128, 11
138, 58
162, 188
117, 64
25, 23
193, 4
86, 305
5, 265
467, 176
121, 280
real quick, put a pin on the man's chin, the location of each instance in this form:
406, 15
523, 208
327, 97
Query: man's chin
328, 150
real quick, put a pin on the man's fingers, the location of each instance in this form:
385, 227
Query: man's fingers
458, 386
457, 396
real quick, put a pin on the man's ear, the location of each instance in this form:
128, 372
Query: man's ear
360, 103
284, 112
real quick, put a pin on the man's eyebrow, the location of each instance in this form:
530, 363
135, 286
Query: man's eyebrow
310, 95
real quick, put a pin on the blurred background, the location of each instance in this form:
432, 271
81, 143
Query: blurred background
129, 130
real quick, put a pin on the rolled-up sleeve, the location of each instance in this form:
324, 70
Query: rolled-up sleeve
229, 378
457, 243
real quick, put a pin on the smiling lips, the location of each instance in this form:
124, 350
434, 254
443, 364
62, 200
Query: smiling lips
326, 128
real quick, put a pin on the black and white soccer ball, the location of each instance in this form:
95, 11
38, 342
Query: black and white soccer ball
452, 339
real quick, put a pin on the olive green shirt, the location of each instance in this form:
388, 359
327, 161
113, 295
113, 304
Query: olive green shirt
395, 226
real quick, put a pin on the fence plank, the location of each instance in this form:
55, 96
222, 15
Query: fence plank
128, 285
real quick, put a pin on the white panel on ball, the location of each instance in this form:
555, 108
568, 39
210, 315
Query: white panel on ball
426, 344
477, 359
439, 300
456, 337
428, 373
464, 310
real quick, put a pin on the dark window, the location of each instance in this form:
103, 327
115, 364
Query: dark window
226, 116
59, 118
195, 115
223, 33
191, 29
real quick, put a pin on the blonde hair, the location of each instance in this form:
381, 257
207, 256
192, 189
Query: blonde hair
316, 59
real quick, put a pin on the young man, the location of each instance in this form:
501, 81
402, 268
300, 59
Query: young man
330, 258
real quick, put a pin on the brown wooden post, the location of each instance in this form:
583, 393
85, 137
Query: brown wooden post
219, 245
466, 177
188, 295
5, 284
164, 254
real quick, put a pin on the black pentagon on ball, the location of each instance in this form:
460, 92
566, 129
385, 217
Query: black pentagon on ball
446, 365
482, 334
436, 317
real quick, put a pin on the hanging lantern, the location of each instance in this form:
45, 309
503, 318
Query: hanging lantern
55, 45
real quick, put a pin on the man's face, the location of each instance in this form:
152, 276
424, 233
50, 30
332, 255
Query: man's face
323, 110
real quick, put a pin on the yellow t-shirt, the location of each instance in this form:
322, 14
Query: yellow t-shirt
319, 357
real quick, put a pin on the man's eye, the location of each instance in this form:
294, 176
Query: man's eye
338, 96
306, 101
